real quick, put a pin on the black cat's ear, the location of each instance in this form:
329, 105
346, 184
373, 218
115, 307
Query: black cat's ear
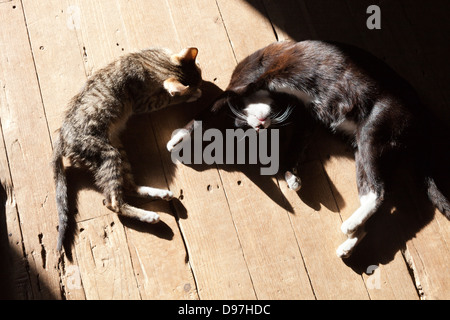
186, 55
175, 87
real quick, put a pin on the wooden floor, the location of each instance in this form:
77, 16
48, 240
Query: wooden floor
231, 234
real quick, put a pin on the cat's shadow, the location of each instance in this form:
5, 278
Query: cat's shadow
80, 180
182, 114
388, 230
404, 213
406, 209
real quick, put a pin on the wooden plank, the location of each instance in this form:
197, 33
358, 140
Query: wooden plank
214, 249
61, 73
316, 222
160, 265
155, 256
28, 145
104, 262
157, 251
95, 54
333, 22
89, 202
15, 278
57, 56
101, 33
290, 19
342, 173
402, 41
326, 285
270, 247
258, 207
248, 29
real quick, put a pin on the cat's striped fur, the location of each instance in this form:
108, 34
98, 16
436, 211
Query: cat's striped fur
90, 134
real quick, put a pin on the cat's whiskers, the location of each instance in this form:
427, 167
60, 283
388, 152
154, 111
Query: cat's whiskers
237, 113
284, 116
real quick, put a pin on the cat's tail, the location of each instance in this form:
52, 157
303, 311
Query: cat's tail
62, 206
433, 160
436, 197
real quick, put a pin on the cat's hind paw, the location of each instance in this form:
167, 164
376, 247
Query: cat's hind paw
150, 217
292, 181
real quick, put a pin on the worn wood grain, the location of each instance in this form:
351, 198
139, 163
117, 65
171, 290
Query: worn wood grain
15, 279
258, 207
104, 261
220, 270
27, 142
231, 233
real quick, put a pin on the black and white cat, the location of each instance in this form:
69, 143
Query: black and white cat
350, 92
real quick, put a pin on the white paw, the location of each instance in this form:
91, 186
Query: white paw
166, 195
195, 96
349, 226
177, 137
293, 181
154, 193
150, 217
346, 248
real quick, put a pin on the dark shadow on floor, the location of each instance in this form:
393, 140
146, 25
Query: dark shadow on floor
412, 40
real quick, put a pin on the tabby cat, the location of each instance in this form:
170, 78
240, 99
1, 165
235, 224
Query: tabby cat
348, 91
90, 134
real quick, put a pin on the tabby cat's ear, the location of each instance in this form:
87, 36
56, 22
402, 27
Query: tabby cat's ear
175, 87
186, 55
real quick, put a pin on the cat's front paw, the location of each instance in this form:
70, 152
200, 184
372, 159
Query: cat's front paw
150, 192
292, 181
177, 138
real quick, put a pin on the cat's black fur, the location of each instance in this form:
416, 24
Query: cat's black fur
349, 91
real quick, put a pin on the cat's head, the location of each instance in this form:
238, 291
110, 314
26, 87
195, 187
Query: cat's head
186, 78
259, 110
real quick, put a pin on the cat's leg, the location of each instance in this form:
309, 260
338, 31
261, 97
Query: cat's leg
346, 248
368, 158
292, 180
108, 173
150, 192
295, 153
289, 167
370, 189
130, 186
